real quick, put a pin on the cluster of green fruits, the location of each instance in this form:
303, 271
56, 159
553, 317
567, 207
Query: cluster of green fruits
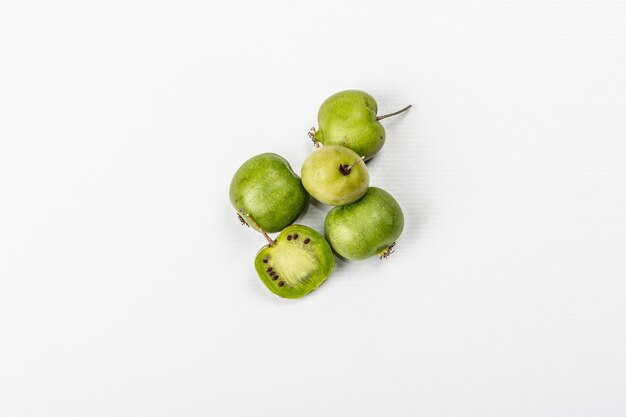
269, 197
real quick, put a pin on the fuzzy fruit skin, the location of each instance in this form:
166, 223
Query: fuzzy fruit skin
266, 187
324, 261
348, 118
366, 227
322, 178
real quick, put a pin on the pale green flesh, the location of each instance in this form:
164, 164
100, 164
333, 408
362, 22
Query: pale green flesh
294, 263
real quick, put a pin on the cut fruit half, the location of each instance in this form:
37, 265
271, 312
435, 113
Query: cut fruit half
296, 263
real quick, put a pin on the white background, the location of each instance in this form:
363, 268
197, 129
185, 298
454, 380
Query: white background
126, 282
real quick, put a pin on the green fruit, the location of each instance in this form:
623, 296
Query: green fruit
366, 227
266, 188
335, 175
296, 263
348, 118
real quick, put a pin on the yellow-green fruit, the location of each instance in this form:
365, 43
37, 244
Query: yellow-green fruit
367, 227
335, 175
296, 263
266, 188
349, 118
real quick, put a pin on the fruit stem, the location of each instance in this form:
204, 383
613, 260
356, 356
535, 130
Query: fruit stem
265, 235
384, 116
385, 254
345, 169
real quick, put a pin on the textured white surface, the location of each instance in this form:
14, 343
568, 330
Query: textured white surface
126, 283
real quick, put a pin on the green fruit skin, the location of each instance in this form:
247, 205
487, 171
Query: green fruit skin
348, 118
366, 227
323, 180
325, 264
266, 187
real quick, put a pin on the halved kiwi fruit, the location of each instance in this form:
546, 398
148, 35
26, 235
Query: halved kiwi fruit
296, 263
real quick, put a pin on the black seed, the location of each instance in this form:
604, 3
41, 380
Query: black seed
295, 236
281, 283
264, 261
307, 240
288, 237
272, 273
275, 277
269, 269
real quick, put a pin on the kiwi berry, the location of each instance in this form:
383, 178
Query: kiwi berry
335, 175
349, 118
367, 227
297, 262
266, 187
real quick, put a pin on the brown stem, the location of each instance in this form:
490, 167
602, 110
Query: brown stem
345, 169
269, 239
384, 116
385, 254
311, 136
